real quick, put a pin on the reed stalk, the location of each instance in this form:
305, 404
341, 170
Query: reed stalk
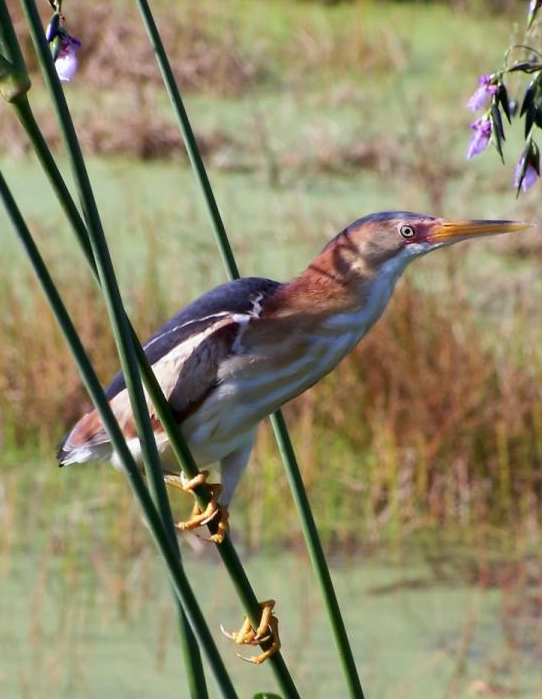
155, 523
84, 232
295, 480
185, 127
14, 80
124, 340
226, 549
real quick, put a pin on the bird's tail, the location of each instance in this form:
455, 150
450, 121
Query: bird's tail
87, 441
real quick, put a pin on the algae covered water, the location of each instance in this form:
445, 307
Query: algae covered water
73, 627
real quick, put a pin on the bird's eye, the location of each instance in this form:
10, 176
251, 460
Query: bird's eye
407, 231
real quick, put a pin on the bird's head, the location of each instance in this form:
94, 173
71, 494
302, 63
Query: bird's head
366, 259
394, 238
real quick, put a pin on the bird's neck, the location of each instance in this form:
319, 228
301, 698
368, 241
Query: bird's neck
337, 281
308, 326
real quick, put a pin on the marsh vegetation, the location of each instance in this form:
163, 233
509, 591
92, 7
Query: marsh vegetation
422, 453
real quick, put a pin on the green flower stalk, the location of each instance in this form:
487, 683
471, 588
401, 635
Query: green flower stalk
292, 469
490, 126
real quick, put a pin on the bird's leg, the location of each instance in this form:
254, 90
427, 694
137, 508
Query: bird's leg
212, 510
268, 629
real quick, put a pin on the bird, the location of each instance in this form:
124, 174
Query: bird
243, 349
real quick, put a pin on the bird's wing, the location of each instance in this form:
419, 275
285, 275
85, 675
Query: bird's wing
185, 355
238, 297
186, 374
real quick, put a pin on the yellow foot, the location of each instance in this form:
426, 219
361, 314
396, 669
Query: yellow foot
212, 510
267, 630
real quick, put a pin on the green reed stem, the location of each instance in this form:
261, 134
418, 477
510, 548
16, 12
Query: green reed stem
188, 135
102, 259
123, 336
28, 121
226, 549
292, 469
158, 531
163, 410
14, 79
317, 555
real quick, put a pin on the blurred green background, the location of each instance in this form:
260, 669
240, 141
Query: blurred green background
422, 454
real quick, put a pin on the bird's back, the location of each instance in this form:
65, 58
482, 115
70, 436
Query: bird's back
185, 354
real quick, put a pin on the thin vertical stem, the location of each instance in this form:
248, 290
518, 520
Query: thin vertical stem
48, 163
102, 259
123, 338
226, 550
156, 526
191, 654
188, 135
317, 555
310, 531
14, 79
28, 121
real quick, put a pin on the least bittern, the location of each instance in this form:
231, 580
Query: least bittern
243, 349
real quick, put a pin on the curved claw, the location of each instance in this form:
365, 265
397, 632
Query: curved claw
222, 526
233, 636
212, 510
268, 629
258, 659
228, 634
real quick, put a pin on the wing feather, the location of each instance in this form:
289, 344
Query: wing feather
187, 374
185, 355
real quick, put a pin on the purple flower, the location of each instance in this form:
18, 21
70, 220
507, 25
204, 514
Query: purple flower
483, 93
524, 177
480, 138
66, 62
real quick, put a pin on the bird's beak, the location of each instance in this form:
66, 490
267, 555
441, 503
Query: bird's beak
448, 232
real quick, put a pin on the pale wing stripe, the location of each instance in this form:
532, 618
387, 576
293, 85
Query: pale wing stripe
257, 306
241, 317
178, 355
168, 367
221, 314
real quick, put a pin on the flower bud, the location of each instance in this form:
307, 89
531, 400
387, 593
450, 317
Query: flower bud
528, 167
534, 6
52, 27
56, 46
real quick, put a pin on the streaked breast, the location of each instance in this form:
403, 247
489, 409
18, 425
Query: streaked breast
253, 386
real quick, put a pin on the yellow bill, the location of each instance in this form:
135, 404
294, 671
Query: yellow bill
454, 231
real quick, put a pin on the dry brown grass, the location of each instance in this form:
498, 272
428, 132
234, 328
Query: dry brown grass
117, 63
419, 426
116, 53
136, 131
124, 116
425, 393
